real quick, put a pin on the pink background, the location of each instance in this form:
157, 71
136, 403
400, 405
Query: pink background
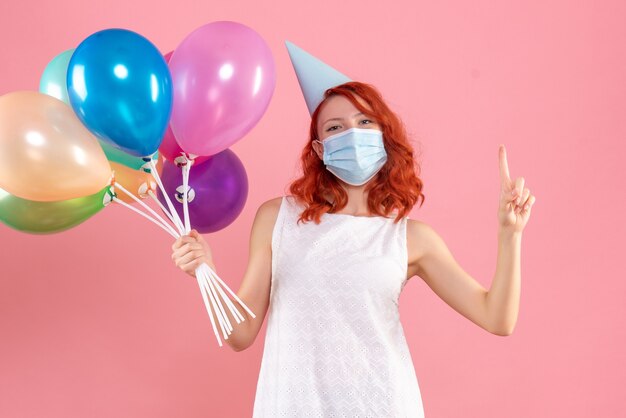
98, 322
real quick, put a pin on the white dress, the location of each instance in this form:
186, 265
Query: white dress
334, 345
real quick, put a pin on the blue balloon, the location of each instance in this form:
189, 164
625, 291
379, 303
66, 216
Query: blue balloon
120, 87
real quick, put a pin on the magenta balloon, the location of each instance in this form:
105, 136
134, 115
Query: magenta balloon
171, 150
169, 147
223, 75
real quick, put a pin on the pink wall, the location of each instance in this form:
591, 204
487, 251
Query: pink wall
98, 322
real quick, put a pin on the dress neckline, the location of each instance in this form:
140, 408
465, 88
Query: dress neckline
347, 215
356, 216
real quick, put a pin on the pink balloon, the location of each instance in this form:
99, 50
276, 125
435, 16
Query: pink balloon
169, 147
223, 75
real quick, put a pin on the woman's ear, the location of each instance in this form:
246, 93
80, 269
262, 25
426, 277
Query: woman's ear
319, 149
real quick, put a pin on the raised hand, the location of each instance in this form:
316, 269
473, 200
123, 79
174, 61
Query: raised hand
515, 199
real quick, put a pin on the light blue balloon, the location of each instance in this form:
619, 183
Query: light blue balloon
120, 87
53, 81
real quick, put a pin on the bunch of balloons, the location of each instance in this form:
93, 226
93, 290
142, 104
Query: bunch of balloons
109, 109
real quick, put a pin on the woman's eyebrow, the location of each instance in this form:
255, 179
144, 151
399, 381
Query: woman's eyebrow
340, 119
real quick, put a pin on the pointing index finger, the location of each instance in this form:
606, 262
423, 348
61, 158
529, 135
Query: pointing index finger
504, 167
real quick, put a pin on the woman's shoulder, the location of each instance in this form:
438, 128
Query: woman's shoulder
416, 227
421, 237
270, 208
266, 216
273, 205
418, 236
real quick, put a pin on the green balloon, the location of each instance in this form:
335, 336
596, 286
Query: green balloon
49, 217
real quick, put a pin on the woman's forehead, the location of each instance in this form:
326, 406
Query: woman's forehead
339, 106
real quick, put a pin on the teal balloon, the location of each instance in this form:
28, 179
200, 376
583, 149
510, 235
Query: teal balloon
53, 81
36, 217
120, 87
118, 156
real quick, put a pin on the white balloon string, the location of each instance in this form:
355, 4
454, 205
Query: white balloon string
217, 312
173, 211
156, 215
229, 304
163, 208
121, 202
233, 309
214, 275
208, 308
186, 169
207, 282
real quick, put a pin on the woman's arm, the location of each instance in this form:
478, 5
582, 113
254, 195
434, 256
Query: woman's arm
504, 295
495, 310
430, 259
255, 287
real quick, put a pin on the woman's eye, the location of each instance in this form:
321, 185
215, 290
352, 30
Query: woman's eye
332, 128
366, 121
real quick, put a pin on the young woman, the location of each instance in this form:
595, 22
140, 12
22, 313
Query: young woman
328, 264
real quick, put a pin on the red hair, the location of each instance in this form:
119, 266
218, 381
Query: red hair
395, 187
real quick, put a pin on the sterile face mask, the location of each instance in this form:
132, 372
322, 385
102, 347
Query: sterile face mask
355, 155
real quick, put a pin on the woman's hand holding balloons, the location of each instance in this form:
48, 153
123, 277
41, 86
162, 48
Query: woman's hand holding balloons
190, 251
515, 199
